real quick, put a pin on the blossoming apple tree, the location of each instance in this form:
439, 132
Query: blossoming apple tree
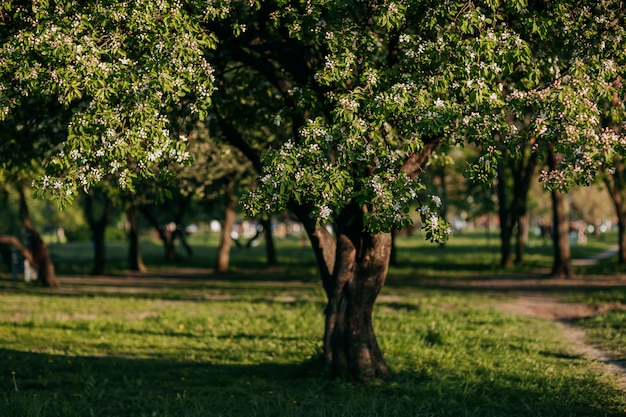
354, 96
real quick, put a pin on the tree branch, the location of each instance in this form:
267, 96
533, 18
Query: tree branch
13, 241
414, 165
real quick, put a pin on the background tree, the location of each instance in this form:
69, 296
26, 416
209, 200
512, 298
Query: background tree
98, 207
515, 176
26, 139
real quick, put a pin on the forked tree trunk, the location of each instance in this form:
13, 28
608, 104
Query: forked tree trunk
223, 252
513, 211
350, 346
41, 259
361, 263
167, 236
177, 209
135, 261
353, 266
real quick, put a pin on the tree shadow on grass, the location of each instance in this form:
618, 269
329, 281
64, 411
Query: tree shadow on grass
57, 385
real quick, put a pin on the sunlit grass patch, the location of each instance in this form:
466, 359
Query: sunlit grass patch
452, 354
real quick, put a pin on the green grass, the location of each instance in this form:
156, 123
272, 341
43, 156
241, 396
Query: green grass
606, 329
244, 343
191, 353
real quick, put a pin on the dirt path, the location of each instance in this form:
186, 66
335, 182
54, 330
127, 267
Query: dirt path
540, 304
548, 308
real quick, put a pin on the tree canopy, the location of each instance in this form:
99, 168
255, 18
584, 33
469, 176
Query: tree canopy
364, 86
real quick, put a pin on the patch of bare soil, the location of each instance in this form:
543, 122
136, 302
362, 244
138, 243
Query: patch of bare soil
545, 307
548, 308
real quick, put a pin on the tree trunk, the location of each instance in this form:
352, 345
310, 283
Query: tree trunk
223, 252
97, 226
135, 261
615, 185
505, 214
15, 242
270, 248
167, 236
562, 266
393, 257
621, 237
521, 238
323, 244
350, 346
513, 210
41, 259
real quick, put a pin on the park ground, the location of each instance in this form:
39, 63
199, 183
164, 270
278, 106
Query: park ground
528, 296
463, 339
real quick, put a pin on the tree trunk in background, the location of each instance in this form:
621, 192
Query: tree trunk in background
15, 242
97, 226
562, 266
442, 191
393, 257
513, 209
41, 259
167, 236
505, 214
621, 238
521, 238
172, 227
223, 252
615, 184
270, 248
135, 261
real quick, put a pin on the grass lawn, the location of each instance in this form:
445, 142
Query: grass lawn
244, 344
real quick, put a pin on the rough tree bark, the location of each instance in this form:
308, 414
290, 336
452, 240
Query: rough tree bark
361, 262
41, 259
